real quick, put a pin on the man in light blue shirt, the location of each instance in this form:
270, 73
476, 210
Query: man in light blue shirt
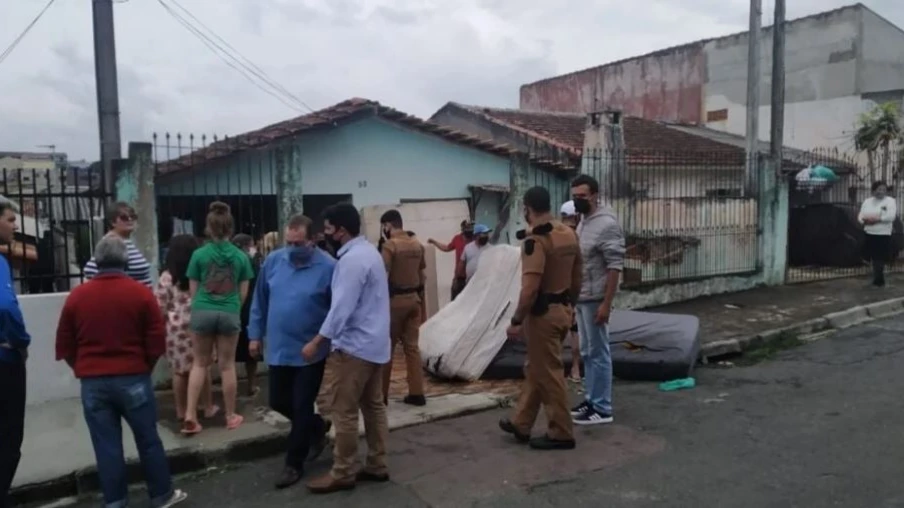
357, 329
290, 301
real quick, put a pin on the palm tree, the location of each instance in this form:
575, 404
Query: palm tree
879, 128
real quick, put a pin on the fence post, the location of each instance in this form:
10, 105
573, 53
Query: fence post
519, 166
289, 189
773, 219
134, 184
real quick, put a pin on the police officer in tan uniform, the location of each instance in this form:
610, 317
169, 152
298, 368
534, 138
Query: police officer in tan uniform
403, 255
550, 284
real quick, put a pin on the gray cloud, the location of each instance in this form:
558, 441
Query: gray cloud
414, 55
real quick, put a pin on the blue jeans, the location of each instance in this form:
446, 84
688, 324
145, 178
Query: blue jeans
107, 400
597, 358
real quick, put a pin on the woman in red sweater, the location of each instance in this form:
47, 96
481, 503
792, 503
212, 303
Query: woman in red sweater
111, 332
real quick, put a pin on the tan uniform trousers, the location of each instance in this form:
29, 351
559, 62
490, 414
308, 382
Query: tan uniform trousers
404, 328
356, 384
544, 382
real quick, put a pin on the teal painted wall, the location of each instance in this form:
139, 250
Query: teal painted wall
377, 161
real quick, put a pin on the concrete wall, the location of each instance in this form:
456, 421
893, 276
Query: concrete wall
882, 61
834, 60
48, 379
821, 93
440, 220
666, 85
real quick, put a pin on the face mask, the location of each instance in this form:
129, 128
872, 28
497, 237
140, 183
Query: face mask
252, 251
468, 234
482, 240
300, 254
582, 206
526, 217
386, 233
333, 243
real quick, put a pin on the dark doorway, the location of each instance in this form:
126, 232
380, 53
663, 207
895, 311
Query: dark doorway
315, 204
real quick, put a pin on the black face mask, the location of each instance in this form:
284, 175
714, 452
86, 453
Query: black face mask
582, 206
333, 243
526, 217
386, 234
468, 234
482, 240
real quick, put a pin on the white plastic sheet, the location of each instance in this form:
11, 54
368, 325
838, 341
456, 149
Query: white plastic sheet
461, 340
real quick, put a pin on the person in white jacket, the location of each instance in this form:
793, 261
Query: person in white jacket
877, 214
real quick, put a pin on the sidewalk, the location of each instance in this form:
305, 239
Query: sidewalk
733, 322
58, 459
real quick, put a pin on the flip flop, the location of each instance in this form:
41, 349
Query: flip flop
190, 428
234, 421
211, 411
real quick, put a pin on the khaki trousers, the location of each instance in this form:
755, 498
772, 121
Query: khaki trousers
323, 396
404, 328
357, 384
544, 382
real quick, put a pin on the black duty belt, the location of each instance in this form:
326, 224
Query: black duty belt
544, 300
397, 291
558, 298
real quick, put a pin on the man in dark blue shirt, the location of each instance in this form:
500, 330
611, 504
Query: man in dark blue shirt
14, 341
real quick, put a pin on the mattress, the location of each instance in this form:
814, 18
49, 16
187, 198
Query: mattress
464, 337
645, 346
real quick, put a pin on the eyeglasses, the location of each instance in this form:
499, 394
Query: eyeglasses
126, 217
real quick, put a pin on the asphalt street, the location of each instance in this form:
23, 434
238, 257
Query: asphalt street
816, 426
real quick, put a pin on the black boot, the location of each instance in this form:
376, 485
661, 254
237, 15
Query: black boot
508, 427
545, 443
290, 476
415, 400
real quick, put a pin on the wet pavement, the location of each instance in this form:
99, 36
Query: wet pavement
817, 426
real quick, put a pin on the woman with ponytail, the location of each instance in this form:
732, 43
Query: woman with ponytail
219, 275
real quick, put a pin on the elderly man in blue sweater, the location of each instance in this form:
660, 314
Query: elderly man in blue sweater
14, 341
290, 302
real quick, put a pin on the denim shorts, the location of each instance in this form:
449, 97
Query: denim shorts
214, 322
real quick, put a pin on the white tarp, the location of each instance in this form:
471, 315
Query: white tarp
463, 338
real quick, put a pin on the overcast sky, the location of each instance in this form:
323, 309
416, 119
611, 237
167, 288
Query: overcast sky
414, 55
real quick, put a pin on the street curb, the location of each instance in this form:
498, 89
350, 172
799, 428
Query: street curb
191, 459
832, 321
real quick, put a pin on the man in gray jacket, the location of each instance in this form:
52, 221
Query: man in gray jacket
603, 250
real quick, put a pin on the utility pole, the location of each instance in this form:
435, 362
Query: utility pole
777, 131
107, 88
753, 95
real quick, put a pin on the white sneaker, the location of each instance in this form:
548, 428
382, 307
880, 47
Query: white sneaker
177, 497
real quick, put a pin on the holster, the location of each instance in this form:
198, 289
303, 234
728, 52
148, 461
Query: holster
544, 300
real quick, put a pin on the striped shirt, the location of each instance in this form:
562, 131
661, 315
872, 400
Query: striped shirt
138, 269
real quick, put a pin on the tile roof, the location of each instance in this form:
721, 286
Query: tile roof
561, 130
646, 141
330, 117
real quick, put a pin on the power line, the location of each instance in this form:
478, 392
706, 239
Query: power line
278, 92
18, 39
263, 74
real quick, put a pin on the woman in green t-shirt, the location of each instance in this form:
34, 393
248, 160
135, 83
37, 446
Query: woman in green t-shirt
219, 275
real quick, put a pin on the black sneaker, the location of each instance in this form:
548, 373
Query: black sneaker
591, 416
580, 408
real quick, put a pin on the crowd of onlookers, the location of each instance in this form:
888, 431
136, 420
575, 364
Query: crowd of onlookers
214, 302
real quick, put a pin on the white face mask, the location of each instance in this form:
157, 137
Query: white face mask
252, 251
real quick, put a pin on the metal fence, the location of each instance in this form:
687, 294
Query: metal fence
825, 237
190, 175
59, 221
686, 215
